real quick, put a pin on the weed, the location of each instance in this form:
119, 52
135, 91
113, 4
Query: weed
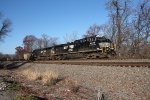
73, 86
14, 86
48, 77
19, 98
30, 97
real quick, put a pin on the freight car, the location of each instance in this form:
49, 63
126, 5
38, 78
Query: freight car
90, 47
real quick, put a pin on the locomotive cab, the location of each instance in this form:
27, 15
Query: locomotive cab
105, 45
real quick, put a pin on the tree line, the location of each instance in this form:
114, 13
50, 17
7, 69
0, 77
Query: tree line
128, 28
31, 42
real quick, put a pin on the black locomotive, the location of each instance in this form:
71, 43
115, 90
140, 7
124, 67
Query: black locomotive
90, 48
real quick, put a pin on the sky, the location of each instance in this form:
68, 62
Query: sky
56, 18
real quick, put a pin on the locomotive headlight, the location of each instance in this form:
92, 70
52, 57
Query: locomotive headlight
71, 46
107, 44
104, 44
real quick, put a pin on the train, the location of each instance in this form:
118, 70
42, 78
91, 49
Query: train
87, 48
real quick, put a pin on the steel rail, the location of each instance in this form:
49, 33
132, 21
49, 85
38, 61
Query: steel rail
101, 63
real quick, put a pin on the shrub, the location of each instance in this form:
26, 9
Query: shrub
31, 74
48, 77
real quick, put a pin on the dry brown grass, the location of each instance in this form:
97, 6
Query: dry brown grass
47, 76
50, 77
73, 85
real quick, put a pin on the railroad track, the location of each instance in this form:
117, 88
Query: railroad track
100, 63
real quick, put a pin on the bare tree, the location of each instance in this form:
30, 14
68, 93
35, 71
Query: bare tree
38, 44
141, 24
4, 27
53, 41
1, 56
28, 42
119, 12
129, 31
93, 30
109, 29
71, 37
45, 41
142, 20
19, 52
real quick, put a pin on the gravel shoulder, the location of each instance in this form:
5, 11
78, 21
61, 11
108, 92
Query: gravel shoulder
6, 94
116, 83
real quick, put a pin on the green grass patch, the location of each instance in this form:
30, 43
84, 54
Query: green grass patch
14, 86
30, 97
